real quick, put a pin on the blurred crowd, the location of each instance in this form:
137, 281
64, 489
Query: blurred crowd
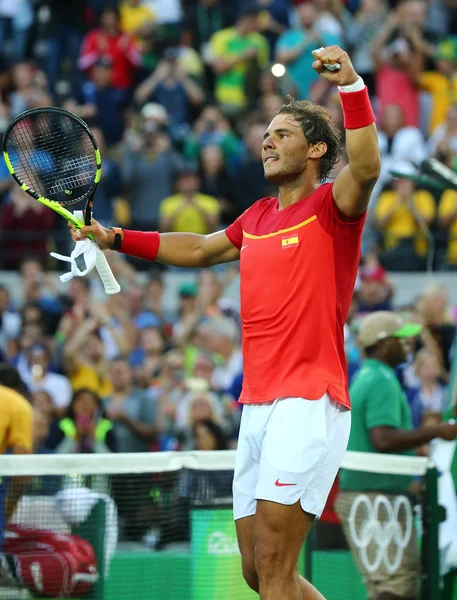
179, 93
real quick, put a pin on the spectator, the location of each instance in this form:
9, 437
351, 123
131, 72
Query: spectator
398, 65
110, 183
441, 83
84, 430
15, 438
381, 422
397, 142
401, 215
132, 412
40, 433
222, 339
273, 20
361, 32
217, 182
375, 291
148, 167
28, 224
84, 359
433, 311
238, 54
10, 321
213, 129
39, 377
100, 103
189, 209
294, 49
431, 393
109, 42
65, 32
250, 181
442, 144
151, 348
199, 406
135, 17
43, 405
208, 435
28, 85
447, 220
15, 17
204, 18
173, 89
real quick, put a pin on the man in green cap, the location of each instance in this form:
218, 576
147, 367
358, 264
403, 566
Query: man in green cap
381, 422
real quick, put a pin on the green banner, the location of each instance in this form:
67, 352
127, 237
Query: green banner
216, 560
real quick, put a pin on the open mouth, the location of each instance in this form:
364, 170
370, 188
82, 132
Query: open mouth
271, 159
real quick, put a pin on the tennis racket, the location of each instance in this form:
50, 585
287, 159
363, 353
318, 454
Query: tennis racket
54, 157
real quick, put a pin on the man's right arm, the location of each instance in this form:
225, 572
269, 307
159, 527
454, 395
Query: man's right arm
389, 439
177, 249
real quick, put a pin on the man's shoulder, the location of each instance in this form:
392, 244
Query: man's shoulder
14, 402
290, 37
372, 375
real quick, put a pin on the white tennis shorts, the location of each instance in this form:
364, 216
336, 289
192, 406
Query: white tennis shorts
289, 450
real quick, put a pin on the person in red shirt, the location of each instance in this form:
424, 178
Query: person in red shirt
298, 255
109, 42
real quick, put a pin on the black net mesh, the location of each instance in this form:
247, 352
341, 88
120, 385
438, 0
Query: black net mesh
53, 154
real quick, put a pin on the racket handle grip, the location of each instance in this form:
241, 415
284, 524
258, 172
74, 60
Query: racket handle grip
106, 275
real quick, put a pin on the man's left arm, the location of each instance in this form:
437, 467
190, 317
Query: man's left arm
354, 184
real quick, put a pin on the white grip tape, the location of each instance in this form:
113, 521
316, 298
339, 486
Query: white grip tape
106, 275
101, 264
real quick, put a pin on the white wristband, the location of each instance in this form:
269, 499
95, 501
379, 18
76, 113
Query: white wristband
352, 87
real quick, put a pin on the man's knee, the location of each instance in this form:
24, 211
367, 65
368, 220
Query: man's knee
271, 561
250, 573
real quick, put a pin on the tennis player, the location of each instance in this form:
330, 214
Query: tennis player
298, 255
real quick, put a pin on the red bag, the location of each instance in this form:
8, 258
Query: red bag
51, 564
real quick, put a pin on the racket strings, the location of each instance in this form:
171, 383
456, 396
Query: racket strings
54, 155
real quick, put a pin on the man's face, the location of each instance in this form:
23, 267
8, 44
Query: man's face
397, 350
284, 150
188, 183
121, 374
307, 14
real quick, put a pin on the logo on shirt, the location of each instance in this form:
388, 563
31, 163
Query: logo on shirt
287, 241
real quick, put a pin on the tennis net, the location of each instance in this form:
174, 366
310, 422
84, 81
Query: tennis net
159, 526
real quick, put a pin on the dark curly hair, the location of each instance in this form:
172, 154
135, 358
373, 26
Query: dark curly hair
317, 126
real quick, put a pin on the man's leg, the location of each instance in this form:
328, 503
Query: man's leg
245, 529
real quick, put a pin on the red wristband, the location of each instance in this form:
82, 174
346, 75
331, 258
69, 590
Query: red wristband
357, 109
142, 244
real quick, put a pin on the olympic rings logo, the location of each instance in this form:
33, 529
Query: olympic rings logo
381, 533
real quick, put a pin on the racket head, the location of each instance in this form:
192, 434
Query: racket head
54, 157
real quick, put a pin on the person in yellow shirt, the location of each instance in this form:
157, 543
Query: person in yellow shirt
237, 54
189, 210
401, 214
442, 82
15, 437
135, 17
447, 219
85, 362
